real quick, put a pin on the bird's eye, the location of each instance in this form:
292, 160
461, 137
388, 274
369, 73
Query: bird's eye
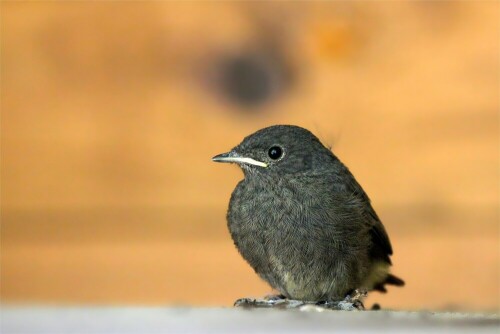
275, 152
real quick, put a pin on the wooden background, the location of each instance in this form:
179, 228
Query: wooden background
111, 112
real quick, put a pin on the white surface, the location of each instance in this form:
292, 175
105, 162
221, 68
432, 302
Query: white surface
230, 320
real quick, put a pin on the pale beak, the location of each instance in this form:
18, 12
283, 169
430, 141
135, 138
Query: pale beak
234, 157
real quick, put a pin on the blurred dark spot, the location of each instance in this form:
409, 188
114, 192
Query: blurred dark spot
251, 79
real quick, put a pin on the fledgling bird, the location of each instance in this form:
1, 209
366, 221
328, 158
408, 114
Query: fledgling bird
302, 221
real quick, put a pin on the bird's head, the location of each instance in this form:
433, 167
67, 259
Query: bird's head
282, 149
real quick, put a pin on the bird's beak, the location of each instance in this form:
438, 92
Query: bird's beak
236, 158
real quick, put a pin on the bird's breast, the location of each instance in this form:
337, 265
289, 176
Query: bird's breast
273, 224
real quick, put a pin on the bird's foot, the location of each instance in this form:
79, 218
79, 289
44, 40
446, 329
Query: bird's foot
277, 301
275, 298
267, 301
352, 302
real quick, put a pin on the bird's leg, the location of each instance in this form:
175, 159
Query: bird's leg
274, 297
356, 299
267, 301
279, 301
351, 302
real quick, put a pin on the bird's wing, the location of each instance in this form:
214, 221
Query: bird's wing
382, 247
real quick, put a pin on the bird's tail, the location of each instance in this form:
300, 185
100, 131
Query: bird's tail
389, 280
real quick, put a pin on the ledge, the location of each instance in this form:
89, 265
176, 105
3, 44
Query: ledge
16, 319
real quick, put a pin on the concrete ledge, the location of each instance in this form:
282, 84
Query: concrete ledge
234, 320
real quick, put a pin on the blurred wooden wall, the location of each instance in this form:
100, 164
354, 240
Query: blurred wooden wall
111, 112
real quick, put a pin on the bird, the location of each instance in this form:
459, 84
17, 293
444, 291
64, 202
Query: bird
302, 221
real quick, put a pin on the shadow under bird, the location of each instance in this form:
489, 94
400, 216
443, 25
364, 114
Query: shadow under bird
303, 222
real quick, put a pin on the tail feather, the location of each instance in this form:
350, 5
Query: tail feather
394, 280
389, 280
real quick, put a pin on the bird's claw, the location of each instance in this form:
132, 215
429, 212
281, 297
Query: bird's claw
352, 302
268, 301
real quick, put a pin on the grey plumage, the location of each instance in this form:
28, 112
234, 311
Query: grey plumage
302, 221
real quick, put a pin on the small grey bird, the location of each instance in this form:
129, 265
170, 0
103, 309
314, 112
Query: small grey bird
302, 221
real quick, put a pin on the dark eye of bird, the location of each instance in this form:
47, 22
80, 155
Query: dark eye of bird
275, 152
